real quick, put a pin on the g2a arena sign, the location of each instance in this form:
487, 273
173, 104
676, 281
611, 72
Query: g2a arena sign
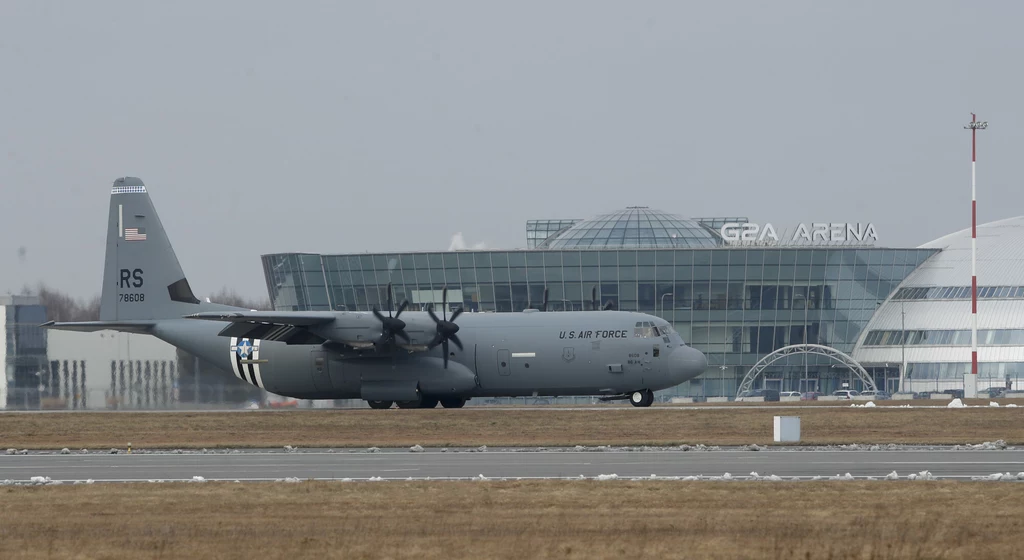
817, 233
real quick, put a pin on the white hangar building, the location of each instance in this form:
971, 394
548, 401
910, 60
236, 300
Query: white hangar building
925, 324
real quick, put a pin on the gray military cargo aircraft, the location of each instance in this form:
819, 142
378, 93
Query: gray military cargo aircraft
416, 359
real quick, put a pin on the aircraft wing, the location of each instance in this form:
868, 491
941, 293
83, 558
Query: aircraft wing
291, 327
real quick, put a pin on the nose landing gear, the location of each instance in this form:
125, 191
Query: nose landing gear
642, 398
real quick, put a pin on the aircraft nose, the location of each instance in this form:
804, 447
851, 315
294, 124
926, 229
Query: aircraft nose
688, 363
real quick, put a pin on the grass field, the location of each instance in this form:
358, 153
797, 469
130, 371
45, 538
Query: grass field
526, 427
584, 519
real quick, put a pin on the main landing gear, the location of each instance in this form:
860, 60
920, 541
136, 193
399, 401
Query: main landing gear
422, 402
643, 398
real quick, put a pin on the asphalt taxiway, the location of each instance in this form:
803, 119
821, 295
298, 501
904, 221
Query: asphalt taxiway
507, 463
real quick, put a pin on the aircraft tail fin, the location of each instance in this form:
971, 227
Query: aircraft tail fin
142, 280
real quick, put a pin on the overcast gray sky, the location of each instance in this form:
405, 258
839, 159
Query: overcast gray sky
368, 126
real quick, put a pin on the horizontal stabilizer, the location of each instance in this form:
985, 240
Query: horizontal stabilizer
293, 318
140, 327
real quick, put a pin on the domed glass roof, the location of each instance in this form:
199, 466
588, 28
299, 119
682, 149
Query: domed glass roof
633, 227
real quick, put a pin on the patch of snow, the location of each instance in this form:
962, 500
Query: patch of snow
292, 479
892, 476
480, 477
287, 448
375, 479
923, 475
198, 479
373, 450
11, 451
40, 480
993, 403
65, 451
416, 448
955, 403
1011, 405
754, 447
607, 477
114, 451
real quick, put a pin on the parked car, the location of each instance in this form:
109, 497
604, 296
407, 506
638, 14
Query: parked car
789, 394
770, 395
957, 393
879, 395
996, 392
845, 394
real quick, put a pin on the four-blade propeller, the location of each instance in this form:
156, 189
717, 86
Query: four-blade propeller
391, 326
446, 328
594, 303
543, 305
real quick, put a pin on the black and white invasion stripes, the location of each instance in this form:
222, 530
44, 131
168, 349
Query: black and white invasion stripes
245, 355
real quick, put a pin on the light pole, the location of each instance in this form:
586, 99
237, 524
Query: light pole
670, 294
971, 381
903, 344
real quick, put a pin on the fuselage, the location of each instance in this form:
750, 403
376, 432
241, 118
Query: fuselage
503, 354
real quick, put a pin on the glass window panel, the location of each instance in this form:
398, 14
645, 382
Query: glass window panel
517, 258
499, 259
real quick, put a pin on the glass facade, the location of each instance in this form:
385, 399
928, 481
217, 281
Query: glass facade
986, 337
24, 352
959, 292
735, 304
635, 227
539, 230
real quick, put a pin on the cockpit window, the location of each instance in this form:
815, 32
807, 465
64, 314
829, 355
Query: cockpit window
647, 329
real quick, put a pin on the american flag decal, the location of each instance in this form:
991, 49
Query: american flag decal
134, 234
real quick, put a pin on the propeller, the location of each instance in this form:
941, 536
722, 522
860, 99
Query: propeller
391, 326
446, 328
594, 304
543, 305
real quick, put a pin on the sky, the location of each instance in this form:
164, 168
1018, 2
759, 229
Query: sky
263, 127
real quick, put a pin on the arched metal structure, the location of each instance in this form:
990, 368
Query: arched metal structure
817, 349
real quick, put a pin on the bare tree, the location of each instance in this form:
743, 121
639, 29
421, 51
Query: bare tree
62, 307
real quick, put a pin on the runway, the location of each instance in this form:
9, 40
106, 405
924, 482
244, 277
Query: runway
435, 464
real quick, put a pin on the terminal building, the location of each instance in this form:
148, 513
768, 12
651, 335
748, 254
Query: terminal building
735, 290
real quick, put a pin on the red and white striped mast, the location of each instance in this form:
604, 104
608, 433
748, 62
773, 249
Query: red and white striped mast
974, 126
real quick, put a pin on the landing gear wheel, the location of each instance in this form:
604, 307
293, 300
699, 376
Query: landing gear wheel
643, 398
453, 402
410, 404
380, 404
428, 402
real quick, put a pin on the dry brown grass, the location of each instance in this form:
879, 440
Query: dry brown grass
584, 519
527, 427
